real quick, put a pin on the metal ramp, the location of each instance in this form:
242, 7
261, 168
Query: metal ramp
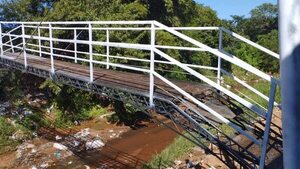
82, 59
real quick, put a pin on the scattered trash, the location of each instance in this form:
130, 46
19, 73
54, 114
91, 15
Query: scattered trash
33, 150
87, 167
82, 133
57, 154
90, 145
57, 137
177, 162
70, 162
33, 167
189, 163
59, 146
50, 108
45, 165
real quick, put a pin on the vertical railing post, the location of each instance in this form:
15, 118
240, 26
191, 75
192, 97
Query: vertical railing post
219, 58
51, 49
107, 49
1, 43
11, 44
40, 42
75, 45
267, 124
24, 46
91, 52
151, 82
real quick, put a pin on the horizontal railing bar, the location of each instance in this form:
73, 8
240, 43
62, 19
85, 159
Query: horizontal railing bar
124, 28
180, 48
267, 51
94, 61
213, 84
205, 107
80, 22
129, 58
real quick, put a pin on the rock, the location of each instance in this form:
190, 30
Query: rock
178, 162
60, 146
90, 145
33, 167
111, 131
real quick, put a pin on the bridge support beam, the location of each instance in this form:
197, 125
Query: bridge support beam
290, 78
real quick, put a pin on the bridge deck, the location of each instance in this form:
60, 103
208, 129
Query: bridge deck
134, 82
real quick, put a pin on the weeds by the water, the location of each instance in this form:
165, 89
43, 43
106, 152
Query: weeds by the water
179, 147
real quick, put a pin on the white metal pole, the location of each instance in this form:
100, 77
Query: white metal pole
267, 124
40, 42
107, 49
75, 45
151, 82
219, 58
91, 53
11, 44
51, 49
289, 24
1, 43
24, 46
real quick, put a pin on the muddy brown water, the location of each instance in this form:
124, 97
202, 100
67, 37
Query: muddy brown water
131, 150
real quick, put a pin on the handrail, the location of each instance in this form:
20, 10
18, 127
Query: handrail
231, 59
261, 48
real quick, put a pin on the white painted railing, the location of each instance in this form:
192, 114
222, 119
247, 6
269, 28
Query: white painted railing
54, 51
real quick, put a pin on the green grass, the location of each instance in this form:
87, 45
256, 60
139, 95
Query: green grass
7, 130
179, 147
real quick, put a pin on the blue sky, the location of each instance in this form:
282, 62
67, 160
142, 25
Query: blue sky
225, 8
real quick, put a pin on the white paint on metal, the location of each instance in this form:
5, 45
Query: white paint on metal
51, 49
24, 46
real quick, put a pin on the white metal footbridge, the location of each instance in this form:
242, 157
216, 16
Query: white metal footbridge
97, 56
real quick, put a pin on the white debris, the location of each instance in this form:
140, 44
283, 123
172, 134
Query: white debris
33, 150
76, 143
110, 131
33, 167
57, 138
45, 165
70, 162
178, 162
59, 146
228, 86
87, 167
82, 133
50, 108
94, 144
